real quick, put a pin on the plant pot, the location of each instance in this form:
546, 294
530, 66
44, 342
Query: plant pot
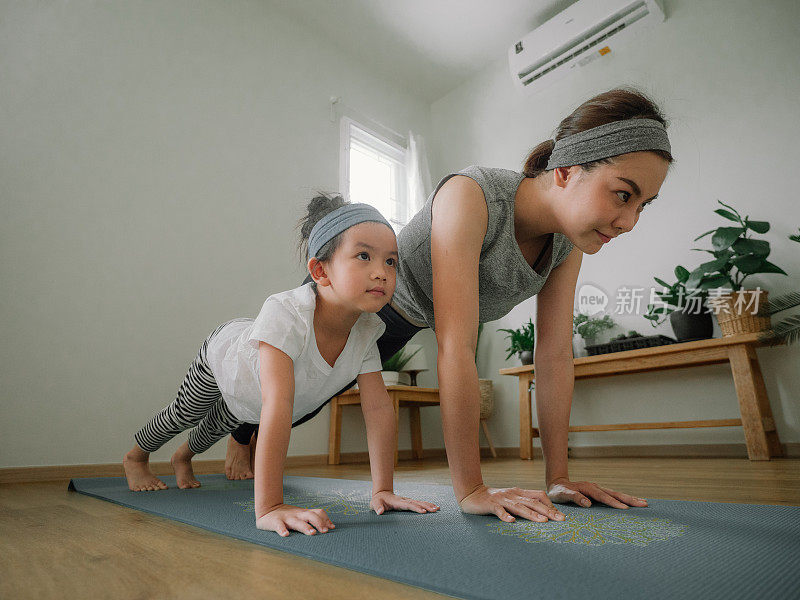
579, 346
526, 356
395, 378
688, 326
487, 398
736, 316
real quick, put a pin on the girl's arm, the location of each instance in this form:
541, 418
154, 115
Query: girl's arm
555, 381
276, 374
381, 423
460, 219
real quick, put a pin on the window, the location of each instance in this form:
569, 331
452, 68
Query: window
373, 171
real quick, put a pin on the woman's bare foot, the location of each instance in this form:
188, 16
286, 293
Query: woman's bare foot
182, 465
137, 471
237, 460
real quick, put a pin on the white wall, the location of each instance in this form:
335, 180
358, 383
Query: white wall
727, 74
155, 159
155, 156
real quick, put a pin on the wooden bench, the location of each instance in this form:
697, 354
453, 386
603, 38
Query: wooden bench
402, 395
760, 434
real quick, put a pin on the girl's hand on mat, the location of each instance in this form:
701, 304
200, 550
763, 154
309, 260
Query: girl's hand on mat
533, 505
563, 490
284, 517
383, 501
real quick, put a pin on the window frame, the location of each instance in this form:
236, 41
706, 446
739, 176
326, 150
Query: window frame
351, 129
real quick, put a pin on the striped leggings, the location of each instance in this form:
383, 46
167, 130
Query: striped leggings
199, 404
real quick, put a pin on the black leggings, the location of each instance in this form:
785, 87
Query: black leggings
398, 332
198, 404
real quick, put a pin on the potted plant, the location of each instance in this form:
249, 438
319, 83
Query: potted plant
788, 330
631, 335
588, 327
737, 256
394, 364
685, 309
521, 342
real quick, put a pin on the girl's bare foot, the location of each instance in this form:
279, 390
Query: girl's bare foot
182, 465
137, 471
237, 460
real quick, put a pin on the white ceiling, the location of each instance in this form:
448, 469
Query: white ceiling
431, 46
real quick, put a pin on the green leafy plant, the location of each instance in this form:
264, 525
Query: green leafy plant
787, 330
629, 336
588, 327
398, 360
674, 297
520, 340
736, 254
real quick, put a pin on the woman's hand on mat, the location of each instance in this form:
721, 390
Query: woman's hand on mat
385, 500
285, 517
533, 505
563, 490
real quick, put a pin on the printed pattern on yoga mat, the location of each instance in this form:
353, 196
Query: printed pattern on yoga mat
670, 549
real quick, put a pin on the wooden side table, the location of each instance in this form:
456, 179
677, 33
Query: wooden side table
760, 434
402, 395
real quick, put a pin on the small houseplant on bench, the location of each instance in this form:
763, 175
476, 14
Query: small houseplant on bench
394, 364
521, 342
737, 256
686, 309
788, 330
589, 327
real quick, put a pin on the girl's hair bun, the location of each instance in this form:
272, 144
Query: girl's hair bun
319, 206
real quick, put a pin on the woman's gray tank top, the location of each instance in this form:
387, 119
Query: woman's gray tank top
504, 277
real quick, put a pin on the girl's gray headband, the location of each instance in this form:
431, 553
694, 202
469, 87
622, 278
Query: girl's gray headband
611, 139
339, 220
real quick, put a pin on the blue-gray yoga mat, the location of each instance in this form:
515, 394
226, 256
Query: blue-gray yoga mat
672, 549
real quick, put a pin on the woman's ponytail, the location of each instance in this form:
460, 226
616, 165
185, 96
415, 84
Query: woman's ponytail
537, 159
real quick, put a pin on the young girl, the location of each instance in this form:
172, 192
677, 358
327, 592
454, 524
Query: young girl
305, 346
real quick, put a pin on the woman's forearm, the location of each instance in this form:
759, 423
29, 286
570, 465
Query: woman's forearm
381, 424
271, 448
555, 382
459, 398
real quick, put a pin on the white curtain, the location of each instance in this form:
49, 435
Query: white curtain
417, 173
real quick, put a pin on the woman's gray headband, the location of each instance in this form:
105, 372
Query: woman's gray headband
611, 139
339, 220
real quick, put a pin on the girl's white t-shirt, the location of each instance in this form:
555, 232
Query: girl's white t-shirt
286, 321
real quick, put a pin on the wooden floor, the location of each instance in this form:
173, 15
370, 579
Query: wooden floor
59, 544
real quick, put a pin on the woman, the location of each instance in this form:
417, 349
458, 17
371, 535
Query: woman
488, 239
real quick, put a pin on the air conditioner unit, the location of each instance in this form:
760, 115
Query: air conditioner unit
575, 37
